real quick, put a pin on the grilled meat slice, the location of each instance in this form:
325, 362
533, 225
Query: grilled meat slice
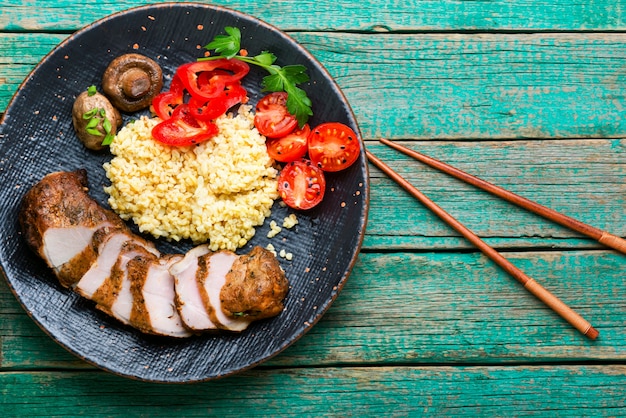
214, 268
58, 219
91, 250
256, 286
108, 252
156, 298
188, 297
114, 296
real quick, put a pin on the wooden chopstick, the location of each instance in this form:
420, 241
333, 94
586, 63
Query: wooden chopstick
529, 283
603, 237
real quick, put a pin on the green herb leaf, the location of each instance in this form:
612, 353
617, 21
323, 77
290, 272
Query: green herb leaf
93, 131
106, 125
108, 139
265, 58
227, 45
91, 90
296, 73
90, 114
298, 104
93, 123
273, 83
280, 78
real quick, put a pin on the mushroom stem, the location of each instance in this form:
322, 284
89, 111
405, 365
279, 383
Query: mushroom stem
135, 83
131, 81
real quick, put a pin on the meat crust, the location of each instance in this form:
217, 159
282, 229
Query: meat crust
59, 201
255, 287
91, 250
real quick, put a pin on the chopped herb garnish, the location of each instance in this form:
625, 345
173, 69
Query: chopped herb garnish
91, 90
108, 139
95, 116
279, 79
90, 114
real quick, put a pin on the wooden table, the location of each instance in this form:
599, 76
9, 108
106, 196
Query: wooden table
526, 94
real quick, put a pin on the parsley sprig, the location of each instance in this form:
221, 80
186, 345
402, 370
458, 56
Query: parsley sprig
280, 78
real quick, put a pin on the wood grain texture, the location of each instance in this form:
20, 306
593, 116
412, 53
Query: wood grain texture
525, 94
345, 15
452, 87
383, 391
582, 178
479, 86
402, 308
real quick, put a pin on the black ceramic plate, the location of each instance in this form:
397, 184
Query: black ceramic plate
36, 138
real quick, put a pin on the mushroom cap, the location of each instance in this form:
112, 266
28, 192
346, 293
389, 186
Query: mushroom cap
131, 81
86, 102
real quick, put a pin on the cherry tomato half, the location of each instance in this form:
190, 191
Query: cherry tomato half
301, 184
272, 118
183, 129
333, 146
291, 147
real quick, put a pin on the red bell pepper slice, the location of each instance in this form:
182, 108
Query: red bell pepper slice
183, 129
165, 103
220, 72
211, 109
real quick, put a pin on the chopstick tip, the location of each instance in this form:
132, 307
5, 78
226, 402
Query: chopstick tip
592, 333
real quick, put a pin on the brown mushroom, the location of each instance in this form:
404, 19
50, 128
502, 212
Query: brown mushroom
89, 113
131, 81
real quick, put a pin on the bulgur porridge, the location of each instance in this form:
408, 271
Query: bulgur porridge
216, 192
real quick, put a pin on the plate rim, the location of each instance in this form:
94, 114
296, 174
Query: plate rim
364, 167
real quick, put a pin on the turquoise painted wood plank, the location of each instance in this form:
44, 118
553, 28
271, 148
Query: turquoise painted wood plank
379, 391
326, 15
423, 308
462, 87
585, 179
479, 86
19, 54
407, 308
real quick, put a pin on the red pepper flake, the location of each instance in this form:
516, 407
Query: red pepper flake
136, 46
243, 52
200, 27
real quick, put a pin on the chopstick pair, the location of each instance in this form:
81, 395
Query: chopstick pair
529, 283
